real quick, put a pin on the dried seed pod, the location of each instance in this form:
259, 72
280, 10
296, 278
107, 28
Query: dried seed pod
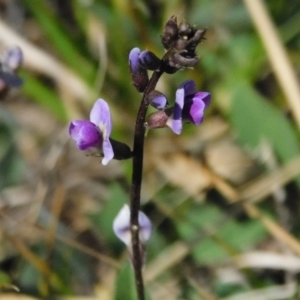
170, 33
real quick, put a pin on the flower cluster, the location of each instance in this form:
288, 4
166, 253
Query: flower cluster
188, 108
180, 42
189, 103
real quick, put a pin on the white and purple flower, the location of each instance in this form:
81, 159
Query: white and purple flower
94, 134
189, 106
121, 226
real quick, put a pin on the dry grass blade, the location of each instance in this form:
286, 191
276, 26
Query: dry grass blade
272, 226
29, 255
264, 185
260, 259
16, 297
277, 55
168, 258
277, 292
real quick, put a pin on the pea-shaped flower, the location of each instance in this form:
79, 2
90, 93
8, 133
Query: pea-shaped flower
189, 106
121, 226
94, 134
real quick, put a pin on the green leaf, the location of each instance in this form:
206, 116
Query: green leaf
125, 284
43, 96
255, 119
102, 221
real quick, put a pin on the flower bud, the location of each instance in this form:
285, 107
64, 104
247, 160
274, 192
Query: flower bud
138, 73
159, 119
149, 60
157, 99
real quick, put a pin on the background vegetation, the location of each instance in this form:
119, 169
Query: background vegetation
223, 197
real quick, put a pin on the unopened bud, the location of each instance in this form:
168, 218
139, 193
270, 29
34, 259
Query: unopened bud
149, 60
157, 99
159, 119
138, 73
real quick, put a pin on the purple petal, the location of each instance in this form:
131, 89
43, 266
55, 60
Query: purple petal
176, 124
179, 102
85, 134
159, 102
134, 59
138, 73
194, 109
121, 226
149, 60
100, 116
108, 152
205, 96
14, 58
145, 227
189, 87
196, 112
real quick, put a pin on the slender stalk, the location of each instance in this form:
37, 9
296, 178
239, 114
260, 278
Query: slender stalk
135, 195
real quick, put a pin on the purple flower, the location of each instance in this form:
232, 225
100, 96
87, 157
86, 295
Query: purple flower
94, 134
121, 226
10, 62
189, 106
13, 58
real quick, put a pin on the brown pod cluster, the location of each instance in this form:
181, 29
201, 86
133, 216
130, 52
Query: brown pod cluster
181, 40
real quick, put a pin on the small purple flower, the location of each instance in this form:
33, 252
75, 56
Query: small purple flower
10, 62
121, 226
189, 106
13, 58
94, 134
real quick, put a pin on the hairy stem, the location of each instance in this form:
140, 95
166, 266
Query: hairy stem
135, 195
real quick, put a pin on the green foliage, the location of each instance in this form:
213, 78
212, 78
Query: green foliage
125, 285
11, 163
255, 120
102, 221
233, 64
213, 237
